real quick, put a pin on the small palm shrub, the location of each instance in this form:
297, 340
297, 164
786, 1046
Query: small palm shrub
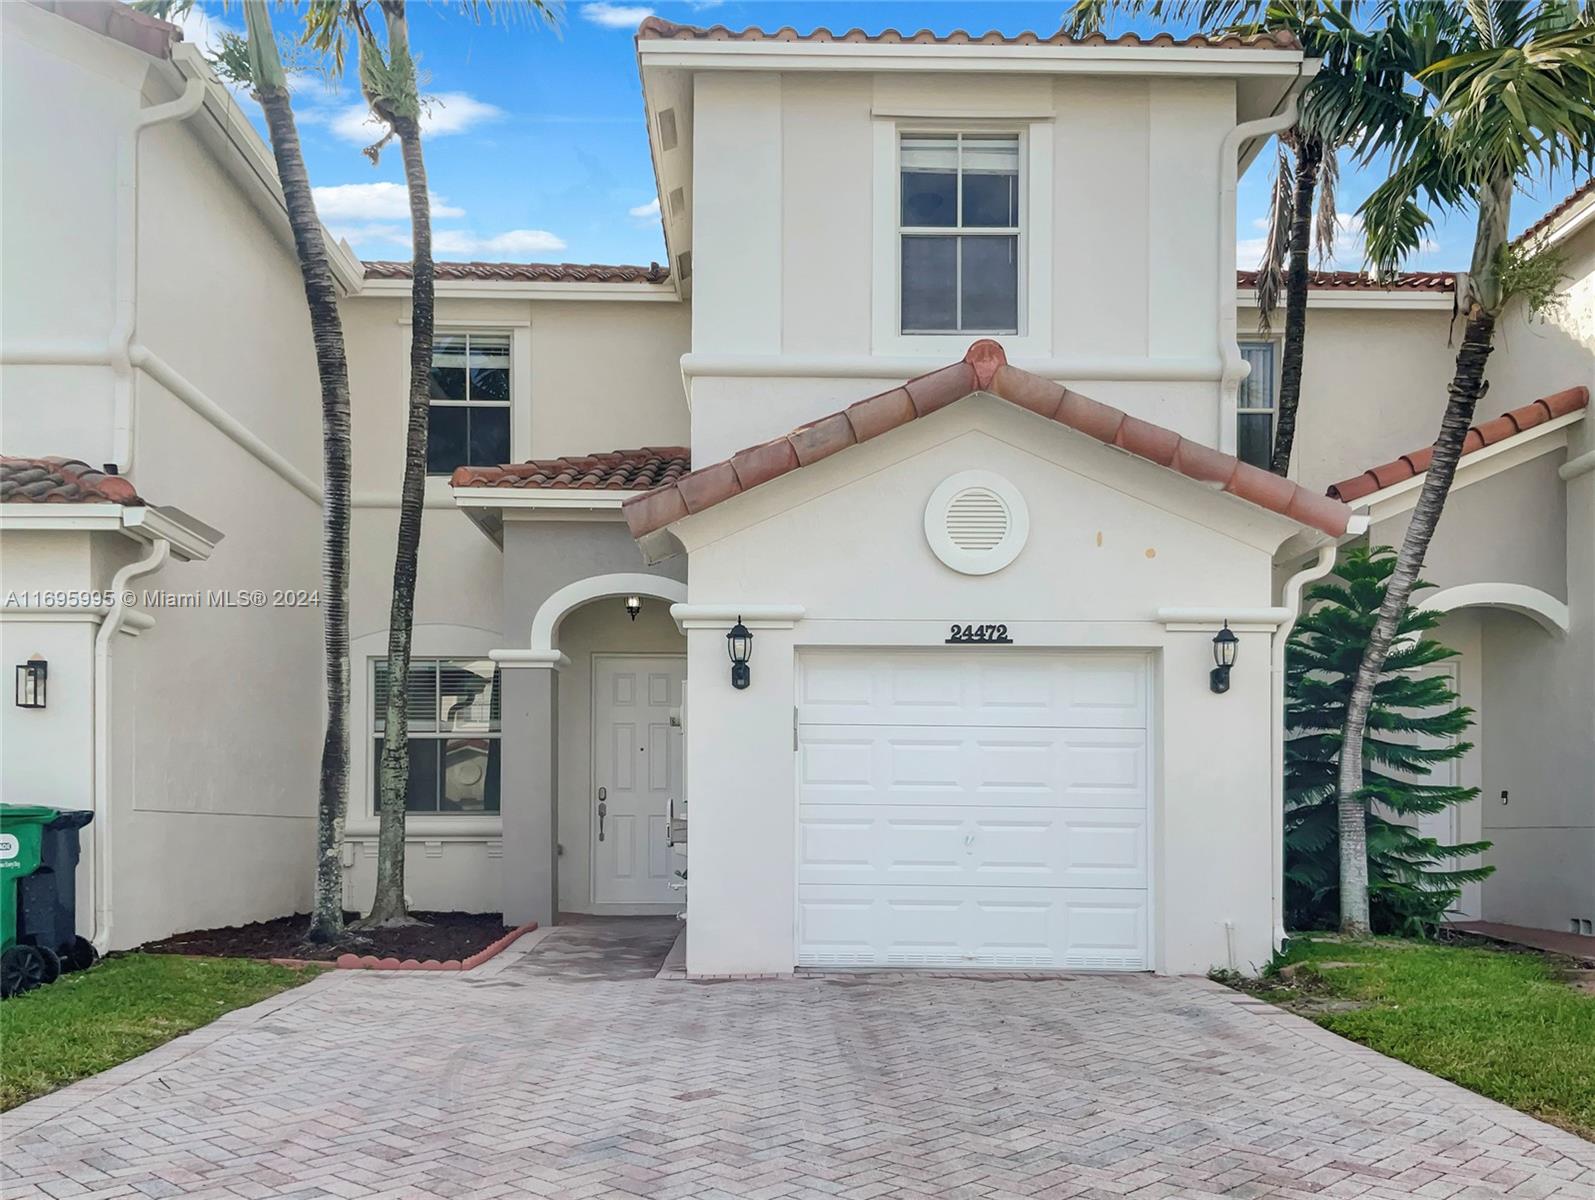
1415, 724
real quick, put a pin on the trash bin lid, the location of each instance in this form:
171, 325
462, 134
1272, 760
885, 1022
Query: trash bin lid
27, 814
70, 818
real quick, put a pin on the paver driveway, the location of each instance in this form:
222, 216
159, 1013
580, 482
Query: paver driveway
586, 1082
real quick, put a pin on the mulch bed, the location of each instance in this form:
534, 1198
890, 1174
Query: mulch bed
444, 936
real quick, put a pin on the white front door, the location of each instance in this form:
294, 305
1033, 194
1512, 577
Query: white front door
973, 809
636, 770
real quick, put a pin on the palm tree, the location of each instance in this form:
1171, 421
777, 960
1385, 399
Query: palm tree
1305, 174
1498, 94
391, 86
253, 60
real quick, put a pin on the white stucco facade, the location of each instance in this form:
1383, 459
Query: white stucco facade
195, 730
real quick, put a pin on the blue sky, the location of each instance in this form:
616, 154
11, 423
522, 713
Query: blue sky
537, 149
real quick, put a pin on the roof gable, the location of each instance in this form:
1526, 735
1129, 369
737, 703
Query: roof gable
983, 369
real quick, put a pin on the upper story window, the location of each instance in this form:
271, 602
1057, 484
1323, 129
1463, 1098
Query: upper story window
1257, 406
469, 422
959, 226
452, 705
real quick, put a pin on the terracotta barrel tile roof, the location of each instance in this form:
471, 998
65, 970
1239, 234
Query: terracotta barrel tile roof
60, 481
1508, 424
120, 23
527, 272
983, 369
618, 470
1401, 281
658, 29
1556, 212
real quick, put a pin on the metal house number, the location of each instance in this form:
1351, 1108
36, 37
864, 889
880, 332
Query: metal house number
990, 635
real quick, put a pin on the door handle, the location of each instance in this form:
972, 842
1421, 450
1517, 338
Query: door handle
603, 810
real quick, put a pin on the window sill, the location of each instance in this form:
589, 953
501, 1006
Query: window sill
423, 826
949, 347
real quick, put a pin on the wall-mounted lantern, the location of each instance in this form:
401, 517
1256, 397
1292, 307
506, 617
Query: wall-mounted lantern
31, 677
633, 606
1225, 643
739, 644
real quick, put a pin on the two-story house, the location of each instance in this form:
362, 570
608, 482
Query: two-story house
942, 416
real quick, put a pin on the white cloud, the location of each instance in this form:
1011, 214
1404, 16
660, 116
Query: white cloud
373, 202
442, 114
203, 30
515, 243
370, 233
616, 16
1350, 246
645, 212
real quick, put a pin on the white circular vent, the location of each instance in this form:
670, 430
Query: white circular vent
976, 522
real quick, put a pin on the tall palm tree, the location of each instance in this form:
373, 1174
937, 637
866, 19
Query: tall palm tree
391, 86
253, 60
1498, 93
1302, 209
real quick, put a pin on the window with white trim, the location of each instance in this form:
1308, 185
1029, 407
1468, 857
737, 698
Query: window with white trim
468, 423
453, 710
958, 232
1257, 405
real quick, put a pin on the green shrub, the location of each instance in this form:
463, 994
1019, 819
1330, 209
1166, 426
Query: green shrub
1415, 723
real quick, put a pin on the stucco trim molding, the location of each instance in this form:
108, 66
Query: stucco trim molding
1190, 619
1540, 607
545, 624
546, 660
723, 616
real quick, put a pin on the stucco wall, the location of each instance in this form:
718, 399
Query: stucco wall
789, 232
1109, 544
217, 710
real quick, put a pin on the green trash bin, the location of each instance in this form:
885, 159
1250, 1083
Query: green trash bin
21, 836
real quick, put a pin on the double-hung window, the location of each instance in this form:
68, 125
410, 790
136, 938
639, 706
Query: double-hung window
958, 231
1257, 406
453, 710
468, 424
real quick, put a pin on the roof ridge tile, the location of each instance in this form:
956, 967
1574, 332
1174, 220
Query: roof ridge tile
1510, 423
984, 368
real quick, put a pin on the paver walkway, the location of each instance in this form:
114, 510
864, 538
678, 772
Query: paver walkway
510, 1081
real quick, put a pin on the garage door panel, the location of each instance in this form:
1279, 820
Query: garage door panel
1095, 768
973, 809
987, 847
930, 926
967, 688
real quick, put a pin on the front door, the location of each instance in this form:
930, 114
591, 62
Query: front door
636, 771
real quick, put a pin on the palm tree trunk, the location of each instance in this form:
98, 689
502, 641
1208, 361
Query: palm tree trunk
388, 906
326, 921
1309, 156
1467, 386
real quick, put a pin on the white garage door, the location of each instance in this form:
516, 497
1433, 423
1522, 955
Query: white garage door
973, 809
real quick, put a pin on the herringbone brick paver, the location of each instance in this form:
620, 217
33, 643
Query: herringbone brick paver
528, 1079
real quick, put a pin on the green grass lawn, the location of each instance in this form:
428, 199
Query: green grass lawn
91, 1020
1499, 1023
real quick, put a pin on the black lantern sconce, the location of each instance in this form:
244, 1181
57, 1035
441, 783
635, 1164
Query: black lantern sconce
1225, 643
31, 677
633, 606
739, 644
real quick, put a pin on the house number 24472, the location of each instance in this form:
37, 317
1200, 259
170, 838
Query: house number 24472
959, 635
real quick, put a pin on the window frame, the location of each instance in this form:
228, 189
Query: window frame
375, 729
1242, 409
509, 405
1034, 237
958, 231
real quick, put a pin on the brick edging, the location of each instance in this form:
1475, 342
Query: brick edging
370, 962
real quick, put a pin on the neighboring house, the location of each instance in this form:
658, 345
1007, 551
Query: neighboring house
978, 727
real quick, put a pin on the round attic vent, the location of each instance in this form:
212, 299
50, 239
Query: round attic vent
976, 522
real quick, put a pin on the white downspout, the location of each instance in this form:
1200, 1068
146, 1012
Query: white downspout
1235, 368
115, 616
1291, 600
126, 323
